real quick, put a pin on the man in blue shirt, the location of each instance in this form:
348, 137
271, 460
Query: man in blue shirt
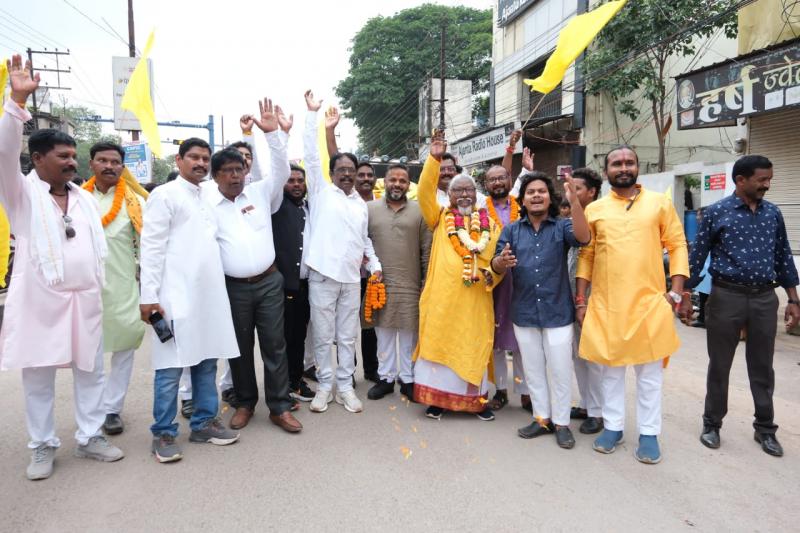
542, 310
750, 256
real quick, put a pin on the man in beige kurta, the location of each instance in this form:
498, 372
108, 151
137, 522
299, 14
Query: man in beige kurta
402, 241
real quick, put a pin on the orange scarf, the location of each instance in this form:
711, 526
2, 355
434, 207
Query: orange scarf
513, 217
132, 206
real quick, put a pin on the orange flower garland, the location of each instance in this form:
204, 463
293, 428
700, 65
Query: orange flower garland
116, 204
375, 297
468, 245
513, 217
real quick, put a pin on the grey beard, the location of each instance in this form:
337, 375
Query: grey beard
465, 211
396, 197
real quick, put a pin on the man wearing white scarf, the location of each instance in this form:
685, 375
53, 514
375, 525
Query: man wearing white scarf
53, 316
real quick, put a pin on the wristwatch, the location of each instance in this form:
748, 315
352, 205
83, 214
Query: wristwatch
795, 302
677, 298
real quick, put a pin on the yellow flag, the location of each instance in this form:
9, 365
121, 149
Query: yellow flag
5, 245
324, 156
572, 41
3, 81
139, 101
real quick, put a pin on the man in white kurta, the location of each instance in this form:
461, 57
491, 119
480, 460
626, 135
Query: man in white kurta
53, 310
182, 279
121, 212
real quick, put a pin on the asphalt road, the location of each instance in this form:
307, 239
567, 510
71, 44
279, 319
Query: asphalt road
390, 468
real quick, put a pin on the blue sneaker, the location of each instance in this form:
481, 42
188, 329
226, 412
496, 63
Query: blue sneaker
648, 451
607, 441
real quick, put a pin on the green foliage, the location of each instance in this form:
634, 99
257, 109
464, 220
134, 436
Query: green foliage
692, 183
392, 56
638, 26
161, 168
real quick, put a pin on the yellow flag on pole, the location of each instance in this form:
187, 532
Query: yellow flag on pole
572, 41
3, 82
138, 100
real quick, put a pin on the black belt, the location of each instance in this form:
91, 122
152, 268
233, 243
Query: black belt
744, 289
254, 279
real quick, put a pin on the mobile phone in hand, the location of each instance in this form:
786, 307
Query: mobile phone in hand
161, 327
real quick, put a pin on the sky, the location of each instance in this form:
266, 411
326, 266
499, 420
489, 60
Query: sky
209, 57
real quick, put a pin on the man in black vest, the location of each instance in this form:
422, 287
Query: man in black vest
289, 225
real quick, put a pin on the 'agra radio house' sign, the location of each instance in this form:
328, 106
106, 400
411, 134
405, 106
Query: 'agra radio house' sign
718, 95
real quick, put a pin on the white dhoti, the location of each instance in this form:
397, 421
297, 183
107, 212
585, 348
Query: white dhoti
117, 381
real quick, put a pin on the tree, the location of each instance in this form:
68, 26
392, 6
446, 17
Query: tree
390, 59
162, 168
662, 30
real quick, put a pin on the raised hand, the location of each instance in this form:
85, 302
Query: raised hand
569, 188
527, 159
438, 145
285, 123
269, 119
246, 123
331, 118
311, 103
22, 83
516, 135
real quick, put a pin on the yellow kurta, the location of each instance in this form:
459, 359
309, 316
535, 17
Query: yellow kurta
456, 322
628, 321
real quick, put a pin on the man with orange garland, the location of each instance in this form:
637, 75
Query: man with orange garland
456, 314
121, 211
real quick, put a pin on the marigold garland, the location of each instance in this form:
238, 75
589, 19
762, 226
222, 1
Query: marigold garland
513, 217
375, 297
468, 243
116, 204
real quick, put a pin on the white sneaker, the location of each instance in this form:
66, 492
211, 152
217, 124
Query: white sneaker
41, 465
99, 449
321, 400
350, 401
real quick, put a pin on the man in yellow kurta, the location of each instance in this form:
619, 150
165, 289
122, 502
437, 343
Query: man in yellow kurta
456, 314
629, 320
123, 329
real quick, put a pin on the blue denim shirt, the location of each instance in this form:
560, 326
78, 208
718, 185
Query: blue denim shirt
746, 247
542, 297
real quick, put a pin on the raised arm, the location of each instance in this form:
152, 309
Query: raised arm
508, 157
331, 121
246, 123
429, 182
580, 227
527, 167
314, 179
11, 179
269, 122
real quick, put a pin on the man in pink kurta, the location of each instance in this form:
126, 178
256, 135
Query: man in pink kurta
53, 315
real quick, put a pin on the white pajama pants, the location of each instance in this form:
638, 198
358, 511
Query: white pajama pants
590, 380
649, 378
395, 345
39, 387
117, 381
501, 372
335, 314
543, 350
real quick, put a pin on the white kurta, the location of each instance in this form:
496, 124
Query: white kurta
181, 270
45, 325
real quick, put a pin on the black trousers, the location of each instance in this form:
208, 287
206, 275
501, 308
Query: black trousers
296, 314
258, 308
369, 342
728, 312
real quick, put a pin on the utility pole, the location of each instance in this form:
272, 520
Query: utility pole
57, 70
132, 50
443, 71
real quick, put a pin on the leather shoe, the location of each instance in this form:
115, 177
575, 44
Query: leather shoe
241, 417
535, 429
769, 443
287, 422
710, 437
591, 425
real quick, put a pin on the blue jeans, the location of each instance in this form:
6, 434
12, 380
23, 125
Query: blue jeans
165, 401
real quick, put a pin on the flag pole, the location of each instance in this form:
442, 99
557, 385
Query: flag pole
535, 108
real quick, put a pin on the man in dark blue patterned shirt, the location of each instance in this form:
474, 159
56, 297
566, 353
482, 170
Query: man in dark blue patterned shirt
750, 256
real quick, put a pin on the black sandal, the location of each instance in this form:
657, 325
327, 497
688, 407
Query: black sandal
499, 400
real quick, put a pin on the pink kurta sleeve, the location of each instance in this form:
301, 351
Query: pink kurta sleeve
12, 184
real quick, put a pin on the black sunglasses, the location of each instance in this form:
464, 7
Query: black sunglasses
68, 229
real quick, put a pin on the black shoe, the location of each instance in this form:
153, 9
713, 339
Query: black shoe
229, 396
187, 408
564, 437
769, 443
407, 390
434, 412
591, 425
710, 437
373, 377
301, 391
486, 415
578, 413
311, 373
380, 389
698, 324
534, 429
113, 424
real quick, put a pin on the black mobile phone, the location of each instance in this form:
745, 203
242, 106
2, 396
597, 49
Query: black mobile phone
161, 327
